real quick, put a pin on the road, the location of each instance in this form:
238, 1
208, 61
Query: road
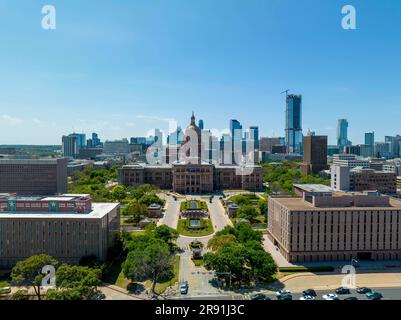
199, 279
172, 211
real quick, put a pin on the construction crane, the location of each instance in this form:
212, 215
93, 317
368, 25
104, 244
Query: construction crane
286, 92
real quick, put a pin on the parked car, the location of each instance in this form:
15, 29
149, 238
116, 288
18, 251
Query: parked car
184, 287
331, 296
306, 297
351, 298
260, 296
363, 290
343, 290
283, 292
374, 295
309, 292
284, 297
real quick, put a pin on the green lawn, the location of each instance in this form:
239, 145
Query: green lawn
200, 205
183, 229
4, 284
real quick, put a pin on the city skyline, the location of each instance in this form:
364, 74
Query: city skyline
222, 68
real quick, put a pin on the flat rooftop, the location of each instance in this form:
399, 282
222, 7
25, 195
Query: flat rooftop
63, 197
99, 210
298, 204
314, 187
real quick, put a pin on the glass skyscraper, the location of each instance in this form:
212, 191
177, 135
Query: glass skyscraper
293, 124
342, 133
236, 136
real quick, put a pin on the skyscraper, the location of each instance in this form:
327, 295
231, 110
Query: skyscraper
254, 136
370, 143
201, 125
342, 134
293, 124
236, 137
81, 139
69, 146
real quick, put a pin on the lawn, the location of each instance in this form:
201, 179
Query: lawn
3, 284
200, 205
205, 229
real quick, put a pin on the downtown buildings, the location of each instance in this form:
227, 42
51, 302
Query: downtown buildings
190, 170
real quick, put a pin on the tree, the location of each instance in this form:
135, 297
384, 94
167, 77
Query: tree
75, 283
247, 212
152, 261
220, 241
263, 207
150, 198
165, 233
119, 193
28, 272
136, 211
245, 233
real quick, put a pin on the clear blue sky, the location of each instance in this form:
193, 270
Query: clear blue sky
114, 67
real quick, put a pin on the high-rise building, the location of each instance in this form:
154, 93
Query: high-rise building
266, 143
201, 125
33, 176
236, 137
95, 140
254, 136
81, 139
293, 126
382, 150
342, 134
69, 146
315, 154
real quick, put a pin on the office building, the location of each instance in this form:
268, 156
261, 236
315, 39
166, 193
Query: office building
370, 144
266, 143
33, 176
201, 124
350, 160
236, 136
323, 225
254, 137
293, 125
116, 147
66, 227
382, 150
342, 134
69, 146
314, 155
362, 179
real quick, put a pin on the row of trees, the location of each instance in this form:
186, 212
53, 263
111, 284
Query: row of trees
281, 178
71, 282
250, 206
239, 250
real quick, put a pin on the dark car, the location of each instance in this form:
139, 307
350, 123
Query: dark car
184, 287
284, 297
260, 296
309, 292
351, 298
374, 295
363, 290
343, 290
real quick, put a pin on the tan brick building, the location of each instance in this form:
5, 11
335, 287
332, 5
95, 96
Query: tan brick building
66, 227
323, 225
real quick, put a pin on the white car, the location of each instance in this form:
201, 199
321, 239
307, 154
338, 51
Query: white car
330, 296
283, 292
307, 298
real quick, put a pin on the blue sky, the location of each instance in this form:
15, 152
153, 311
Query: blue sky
120, 67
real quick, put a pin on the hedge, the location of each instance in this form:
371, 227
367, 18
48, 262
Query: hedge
306, 269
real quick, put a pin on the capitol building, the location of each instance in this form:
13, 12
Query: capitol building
185, 171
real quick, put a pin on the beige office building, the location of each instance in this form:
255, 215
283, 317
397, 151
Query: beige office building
323, 225
66, 227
